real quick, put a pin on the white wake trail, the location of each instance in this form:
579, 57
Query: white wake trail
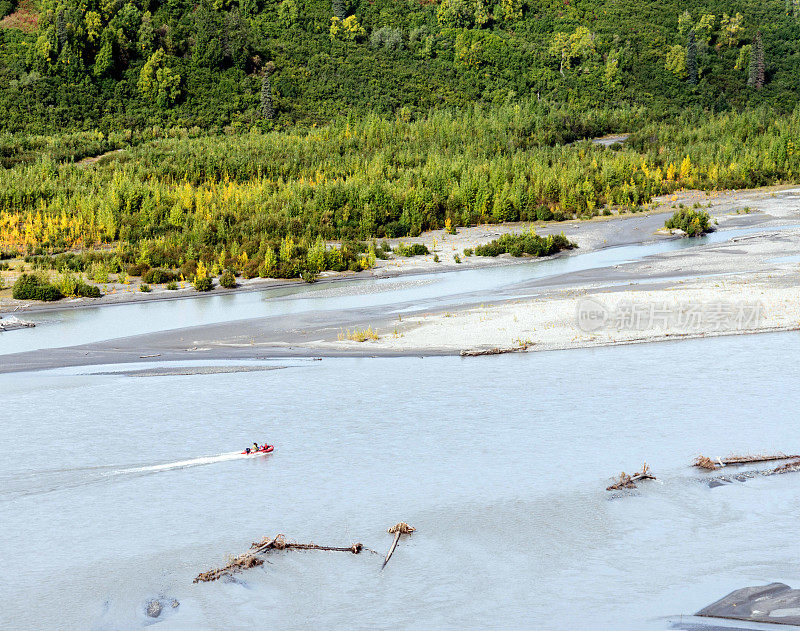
182, 464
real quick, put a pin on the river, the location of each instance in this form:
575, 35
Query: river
116, 489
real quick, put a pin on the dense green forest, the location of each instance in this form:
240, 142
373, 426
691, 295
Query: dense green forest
251, 133
236, 65
245, 200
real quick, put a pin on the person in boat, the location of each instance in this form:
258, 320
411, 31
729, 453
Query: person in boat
255, 446
247, 450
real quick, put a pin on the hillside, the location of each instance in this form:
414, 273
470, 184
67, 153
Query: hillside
241, 64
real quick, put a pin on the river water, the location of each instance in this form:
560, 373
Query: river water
117, 489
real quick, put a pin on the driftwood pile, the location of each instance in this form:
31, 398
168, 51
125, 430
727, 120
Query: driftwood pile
704, 462
253, 557
625, 481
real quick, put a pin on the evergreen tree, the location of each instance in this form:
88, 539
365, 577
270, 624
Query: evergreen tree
339, 9
757, 67
267, 108
61, 30
691, 59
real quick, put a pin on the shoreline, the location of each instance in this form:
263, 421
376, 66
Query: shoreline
532, 314
175, 360
593, 234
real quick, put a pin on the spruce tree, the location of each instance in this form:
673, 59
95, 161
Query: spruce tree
755, 76
61, 30
267, 108
339, 8
691, 59
760, 66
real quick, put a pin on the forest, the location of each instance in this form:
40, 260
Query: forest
229, 66
264, 197
241, 135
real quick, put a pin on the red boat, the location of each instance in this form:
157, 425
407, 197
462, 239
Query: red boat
265, 449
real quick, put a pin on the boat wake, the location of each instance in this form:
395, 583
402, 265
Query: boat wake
37, 483
181, 464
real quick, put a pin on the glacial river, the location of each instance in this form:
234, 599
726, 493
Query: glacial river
118, 489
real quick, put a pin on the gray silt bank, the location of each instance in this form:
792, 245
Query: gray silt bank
776, 603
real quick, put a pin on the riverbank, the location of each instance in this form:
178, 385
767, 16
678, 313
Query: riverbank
750, 284
531, 305
599, 232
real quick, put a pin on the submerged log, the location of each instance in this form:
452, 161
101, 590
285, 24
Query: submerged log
625, 481
704, 462
789, 467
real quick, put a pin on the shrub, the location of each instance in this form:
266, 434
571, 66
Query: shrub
418, 249
381, 251
138, 269
693, 222
172, 285
189, 269
457, 258
144, 287
33, 287
359, 335
251, 269
158, 276
468, 252
99, 272
526, 243
85, 290
70, 285
203, 283
227, 280
436, 258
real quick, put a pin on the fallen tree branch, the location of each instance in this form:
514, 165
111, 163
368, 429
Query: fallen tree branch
398, 529
704, 462
625, 481
251, 559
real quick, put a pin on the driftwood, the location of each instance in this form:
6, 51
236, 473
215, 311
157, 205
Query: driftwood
625, 481
13, 322
398, 529
742, 476
476, 352
251, 559
704, 462
794, 465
